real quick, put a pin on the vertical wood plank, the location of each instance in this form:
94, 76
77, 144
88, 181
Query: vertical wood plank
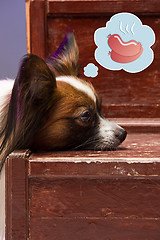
2, 204
36, 27
16, 184
28, 20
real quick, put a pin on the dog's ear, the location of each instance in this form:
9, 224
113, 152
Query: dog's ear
34, 83
32, 97
65, 60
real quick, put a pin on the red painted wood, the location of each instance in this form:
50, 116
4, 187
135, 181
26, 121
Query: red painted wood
37, 27
139, 125
16, 178
139, 146
94, 197
85, 194
124, 95
95, 228
97, 6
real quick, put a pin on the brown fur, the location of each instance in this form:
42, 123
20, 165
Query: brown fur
34, 98
65, 60
43, 114
69, 105
30, 101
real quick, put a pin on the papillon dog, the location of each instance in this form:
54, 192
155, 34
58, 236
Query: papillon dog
48, 107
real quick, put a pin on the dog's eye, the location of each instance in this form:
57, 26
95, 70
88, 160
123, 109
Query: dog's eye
85, 116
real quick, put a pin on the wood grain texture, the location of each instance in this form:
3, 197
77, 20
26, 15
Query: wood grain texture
139, 125
123, 94
16, 182
95, 229
36, 27
86, 194
2, 204
97, 195
97, 6
143, 148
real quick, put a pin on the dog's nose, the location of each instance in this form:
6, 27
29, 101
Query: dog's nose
121, 135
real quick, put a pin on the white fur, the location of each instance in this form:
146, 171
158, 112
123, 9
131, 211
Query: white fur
74, 82
107, 131
105, 126
5, 88
7, 85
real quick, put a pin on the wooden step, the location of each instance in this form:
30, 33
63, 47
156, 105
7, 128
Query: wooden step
139, 125
86, 194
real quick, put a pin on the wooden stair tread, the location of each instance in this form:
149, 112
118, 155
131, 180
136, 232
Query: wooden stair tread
114, 194
141, 146
139, 125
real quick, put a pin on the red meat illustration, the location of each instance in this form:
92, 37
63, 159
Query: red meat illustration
124, 52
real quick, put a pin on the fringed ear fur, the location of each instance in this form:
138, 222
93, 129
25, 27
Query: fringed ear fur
65, 60
31, 98
33, 95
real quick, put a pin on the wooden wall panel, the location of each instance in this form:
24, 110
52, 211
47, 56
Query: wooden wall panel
94, 197
124, 94
36, 27
98, 6
95, 229
86, 195
138, 93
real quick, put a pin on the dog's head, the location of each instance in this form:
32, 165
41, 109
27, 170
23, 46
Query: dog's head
51, 108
